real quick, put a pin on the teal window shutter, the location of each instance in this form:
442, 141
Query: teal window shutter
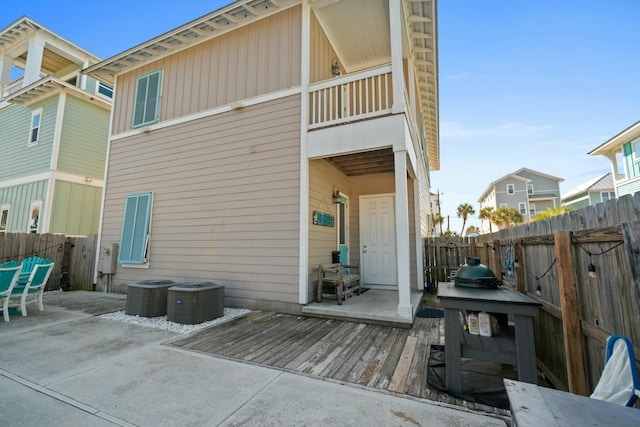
147, 101
135, 229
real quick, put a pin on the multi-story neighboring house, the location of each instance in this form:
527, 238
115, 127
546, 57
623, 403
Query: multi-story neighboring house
623, 151
249, 144
54, 125
526, 190
598, 190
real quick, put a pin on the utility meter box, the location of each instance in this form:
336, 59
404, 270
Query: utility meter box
107, 258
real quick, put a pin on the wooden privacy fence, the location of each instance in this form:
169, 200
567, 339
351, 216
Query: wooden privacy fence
74, 257
584, 269
442, 255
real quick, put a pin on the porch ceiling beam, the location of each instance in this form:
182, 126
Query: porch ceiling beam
418, 35
418, 18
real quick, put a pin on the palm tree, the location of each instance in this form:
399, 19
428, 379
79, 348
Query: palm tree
437, 220
472, 229
508, 216
551, 212
464, 211
487, 213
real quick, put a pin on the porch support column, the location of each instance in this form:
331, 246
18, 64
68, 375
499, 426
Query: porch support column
6, 64
405, 310
34, 61
397, 74
303, 250
418, 234
614, 171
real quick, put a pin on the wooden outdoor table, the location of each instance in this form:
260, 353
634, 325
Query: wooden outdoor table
532, 405
500, 348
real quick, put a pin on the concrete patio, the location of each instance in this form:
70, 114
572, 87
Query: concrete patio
65, 366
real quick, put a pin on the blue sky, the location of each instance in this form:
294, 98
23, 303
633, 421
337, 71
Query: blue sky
522, 83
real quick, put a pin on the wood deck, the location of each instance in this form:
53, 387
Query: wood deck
381, 357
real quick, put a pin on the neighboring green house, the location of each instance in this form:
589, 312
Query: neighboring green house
54, 125
623, 150
529, 191
598, 190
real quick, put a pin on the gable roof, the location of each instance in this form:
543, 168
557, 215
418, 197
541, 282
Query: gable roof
493, 184
533, 172
613, 144
599, 183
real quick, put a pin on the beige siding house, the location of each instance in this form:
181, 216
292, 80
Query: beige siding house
249, 144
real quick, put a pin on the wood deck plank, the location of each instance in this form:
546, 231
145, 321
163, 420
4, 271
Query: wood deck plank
389, 366
363, 356
346, 359
287, 339
299, 347
400, 374
372, 372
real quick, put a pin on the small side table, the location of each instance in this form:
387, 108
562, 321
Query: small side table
501, 300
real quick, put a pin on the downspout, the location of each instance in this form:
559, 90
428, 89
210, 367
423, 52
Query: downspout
104, 186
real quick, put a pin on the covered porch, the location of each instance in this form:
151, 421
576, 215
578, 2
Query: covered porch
374, 306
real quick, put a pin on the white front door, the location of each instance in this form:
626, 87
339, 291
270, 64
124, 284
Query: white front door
378, 241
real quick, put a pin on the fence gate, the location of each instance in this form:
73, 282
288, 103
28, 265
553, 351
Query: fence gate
442, 255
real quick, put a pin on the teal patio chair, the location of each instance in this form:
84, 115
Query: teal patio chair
8, 278
34, 287
28, 264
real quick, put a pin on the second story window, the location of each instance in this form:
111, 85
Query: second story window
530, 189
4, 216
104, 90
511, 189
34, 131
636, 150
147, 101
523, 208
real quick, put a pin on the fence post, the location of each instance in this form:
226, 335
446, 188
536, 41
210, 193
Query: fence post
631, 233
521, 286
571, 327
473, 250
497, 265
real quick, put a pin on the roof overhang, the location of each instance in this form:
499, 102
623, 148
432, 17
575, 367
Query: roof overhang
422, 32
48, 86
613, 145
223, 20
18, 33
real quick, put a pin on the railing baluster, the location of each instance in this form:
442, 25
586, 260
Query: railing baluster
359, 97
366, 91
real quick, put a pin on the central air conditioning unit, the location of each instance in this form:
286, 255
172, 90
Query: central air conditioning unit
195, 302
148, 298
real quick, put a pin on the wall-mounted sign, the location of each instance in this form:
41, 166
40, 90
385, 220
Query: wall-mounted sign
320, 218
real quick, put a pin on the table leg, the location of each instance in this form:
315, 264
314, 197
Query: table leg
526, 349
452, 352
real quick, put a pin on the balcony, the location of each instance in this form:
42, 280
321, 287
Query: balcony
13, 86
350, 98
353, 114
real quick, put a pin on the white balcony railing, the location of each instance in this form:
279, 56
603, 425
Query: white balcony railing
11, 87
356, 96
